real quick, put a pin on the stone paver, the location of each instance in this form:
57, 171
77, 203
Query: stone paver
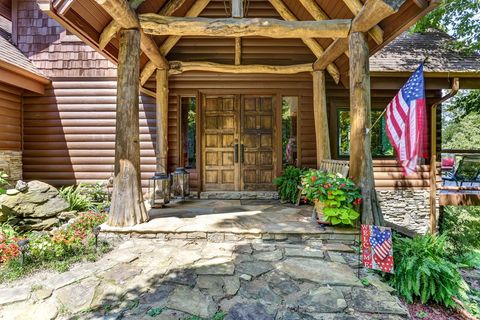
177, 279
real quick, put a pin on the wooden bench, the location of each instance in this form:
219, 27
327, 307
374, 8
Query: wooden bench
333, 166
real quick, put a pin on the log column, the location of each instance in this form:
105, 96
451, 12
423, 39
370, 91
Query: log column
361, 167
127, 207
162, 120
322, 137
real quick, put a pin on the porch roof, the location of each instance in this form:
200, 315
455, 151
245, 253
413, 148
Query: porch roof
90, 21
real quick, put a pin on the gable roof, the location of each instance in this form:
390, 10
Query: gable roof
15, 66
405, 53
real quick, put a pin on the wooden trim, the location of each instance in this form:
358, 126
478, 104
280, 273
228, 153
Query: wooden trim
322, 139
238, 51
355, 7
162, 121
155, 24
177, 67
21, 78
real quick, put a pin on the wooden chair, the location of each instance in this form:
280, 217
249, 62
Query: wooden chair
332, 166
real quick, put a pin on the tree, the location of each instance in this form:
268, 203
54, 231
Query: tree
460, 18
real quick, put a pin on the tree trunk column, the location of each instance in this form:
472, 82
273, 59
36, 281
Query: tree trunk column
162, 120
361, 167
322, 136
127, 207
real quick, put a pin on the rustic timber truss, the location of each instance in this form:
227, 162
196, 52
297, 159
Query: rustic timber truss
137, 32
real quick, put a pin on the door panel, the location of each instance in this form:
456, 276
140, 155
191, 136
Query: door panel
257, 137
220, 118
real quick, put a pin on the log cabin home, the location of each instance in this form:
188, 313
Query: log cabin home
233, 105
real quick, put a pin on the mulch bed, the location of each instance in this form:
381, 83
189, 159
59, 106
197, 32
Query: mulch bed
420, 311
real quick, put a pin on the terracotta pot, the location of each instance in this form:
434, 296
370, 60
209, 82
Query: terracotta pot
318, 209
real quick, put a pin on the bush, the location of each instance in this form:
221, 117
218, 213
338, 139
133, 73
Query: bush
96, 194
76, 200
8, 243
3, 182
287, 184
461, 226
424, 272
337, 194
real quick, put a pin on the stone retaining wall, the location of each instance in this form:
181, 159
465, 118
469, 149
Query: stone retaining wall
407, 208
11, 164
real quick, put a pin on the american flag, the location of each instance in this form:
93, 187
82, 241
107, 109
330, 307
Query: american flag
406, 121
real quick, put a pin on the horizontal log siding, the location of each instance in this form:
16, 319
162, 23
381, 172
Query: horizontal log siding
69, 132
10, 118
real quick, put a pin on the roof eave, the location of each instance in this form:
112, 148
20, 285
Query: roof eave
23, 78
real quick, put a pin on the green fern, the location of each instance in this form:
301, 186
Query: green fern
76, 200
287, 184
423, 271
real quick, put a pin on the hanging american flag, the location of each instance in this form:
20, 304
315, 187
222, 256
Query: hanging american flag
406, 121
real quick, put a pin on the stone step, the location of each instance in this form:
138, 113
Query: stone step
240, 195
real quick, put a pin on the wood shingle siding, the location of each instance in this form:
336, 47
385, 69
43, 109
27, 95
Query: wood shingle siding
10, 118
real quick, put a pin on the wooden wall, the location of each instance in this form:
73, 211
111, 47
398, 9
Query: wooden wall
69, 132
10, 118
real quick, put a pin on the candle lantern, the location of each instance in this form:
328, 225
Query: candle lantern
181, 183
159, 190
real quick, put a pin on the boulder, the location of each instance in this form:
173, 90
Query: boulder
34, 207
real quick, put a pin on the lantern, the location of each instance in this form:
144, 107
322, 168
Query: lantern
159, 190
181, 183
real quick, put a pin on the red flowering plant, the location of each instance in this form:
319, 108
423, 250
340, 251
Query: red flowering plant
8, 243
338, 196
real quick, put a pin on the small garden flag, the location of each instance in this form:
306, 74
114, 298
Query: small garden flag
377, 248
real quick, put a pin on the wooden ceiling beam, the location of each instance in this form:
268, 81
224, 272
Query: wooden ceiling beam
355, 6
177, 67
113, 27
155, 24
371, 14
312, 44
194, 11
126, 17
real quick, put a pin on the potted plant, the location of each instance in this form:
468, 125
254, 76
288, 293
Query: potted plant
336, 198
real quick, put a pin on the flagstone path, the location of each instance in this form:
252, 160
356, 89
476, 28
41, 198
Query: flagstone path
178, 279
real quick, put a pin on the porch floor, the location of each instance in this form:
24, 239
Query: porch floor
223, 220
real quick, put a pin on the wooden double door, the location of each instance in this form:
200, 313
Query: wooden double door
238, 142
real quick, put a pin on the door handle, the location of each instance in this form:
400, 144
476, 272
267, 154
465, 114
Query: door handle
235, 153
242, 153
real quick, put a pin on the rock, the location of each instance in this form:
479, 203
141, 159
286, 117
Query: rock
259, 291
379, 284
21, 186
336, 257
67, 215
373, 301
244, 248
248, 311
36, 208
246, 277
322, 300
269, 255
42, 293
254, 269
45, 311
12, 192
304, 252
213, 284
319, 271
121, 273
191, 301
263, 247
231, 285
283, 286
185, 277
11, 295
217, 266
77, 297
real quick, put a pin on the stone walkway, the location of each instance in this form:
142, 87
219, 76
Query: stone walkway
175, 279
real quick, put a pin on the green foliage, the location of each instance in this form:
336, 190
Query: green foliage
287, 184
154, 312
337, 194
56, 250
461, 226
460, 18
96, 195
423, 271
220, 315
76, 200
3, 182
8, 243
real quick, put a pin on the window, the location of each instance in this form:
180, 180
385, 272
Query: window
289, 130
188, 129
380, 144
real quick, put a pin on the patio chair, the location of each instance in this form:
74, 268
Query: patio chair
468, 170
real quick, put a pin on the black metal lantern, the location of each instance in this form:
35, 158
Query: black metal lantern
159, 190
181, 183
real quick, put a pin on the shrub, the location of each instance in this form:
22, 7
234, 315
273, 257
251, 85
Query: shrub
461, 226
422, 271
337, 194
3, 182
96, 194
76, 200
287, 184
8, 243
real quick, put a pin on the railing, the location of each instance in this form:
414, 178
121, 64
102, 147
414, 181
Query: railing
452, 178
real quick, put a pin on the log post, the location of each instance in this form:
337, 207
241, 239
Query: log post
322, 137
127, 207
162, 120
361, 167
